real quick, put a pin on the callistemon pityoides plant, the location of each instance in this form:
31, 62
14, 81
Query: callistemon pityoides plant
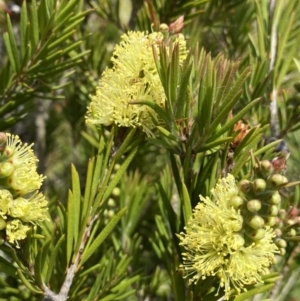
133, 77
21, 205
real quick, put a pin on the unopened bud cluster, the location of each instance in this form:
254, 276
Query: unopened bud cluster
260, 201
21, 205
287, 227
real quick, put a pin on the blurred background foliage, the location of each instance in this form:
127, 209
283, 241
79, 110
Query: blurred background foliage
52, 54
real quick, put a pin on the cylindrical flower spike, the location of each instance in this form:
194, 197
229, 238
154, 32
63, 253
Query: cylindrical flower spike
134, 77
214, 243
20, 203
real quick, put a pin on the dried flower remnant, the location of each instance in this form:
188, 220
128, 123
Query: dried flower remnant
21, 206
133, 78
215, 242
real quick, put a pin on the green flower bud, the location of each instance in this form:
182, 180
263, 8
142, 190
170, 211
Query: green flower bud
245, 185
266, 167
270, 221
236, 202
281, 243
116, 191
256, 222
9, 151
254, 205
258, 234
6, 169
292, 232
111, 202
277, 180
259, 185
273, 210
275, 198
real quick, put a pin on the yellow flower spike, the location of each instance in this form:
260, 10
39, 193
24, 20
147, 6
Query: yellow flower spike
133, 78
214, 243
32, 210
15, 231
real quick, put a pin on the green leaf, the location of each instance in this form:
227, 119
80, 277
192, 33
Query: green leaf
235, 119
7, 267
23, 29
118, 175
253, 292
102, 236
27, 283
186, 204
34, 25
52, 259
70, 225
76, 190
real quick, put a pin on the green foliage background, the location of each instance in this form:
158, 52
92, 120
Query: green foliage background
52, 56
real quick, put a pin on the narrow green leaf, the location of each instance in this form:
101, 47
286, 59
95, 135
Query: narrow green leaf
159, 111
52, 259
23, 29
235, 119
13, 44
70, 225
88, 189
213, 144
38, 268
27, 283
181, 97
230, 99
120, 152
167, 134
120, 172
34, 24
64, 11
173, 74
76, 190
253, 292
186, 204
7, 267
102, 236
